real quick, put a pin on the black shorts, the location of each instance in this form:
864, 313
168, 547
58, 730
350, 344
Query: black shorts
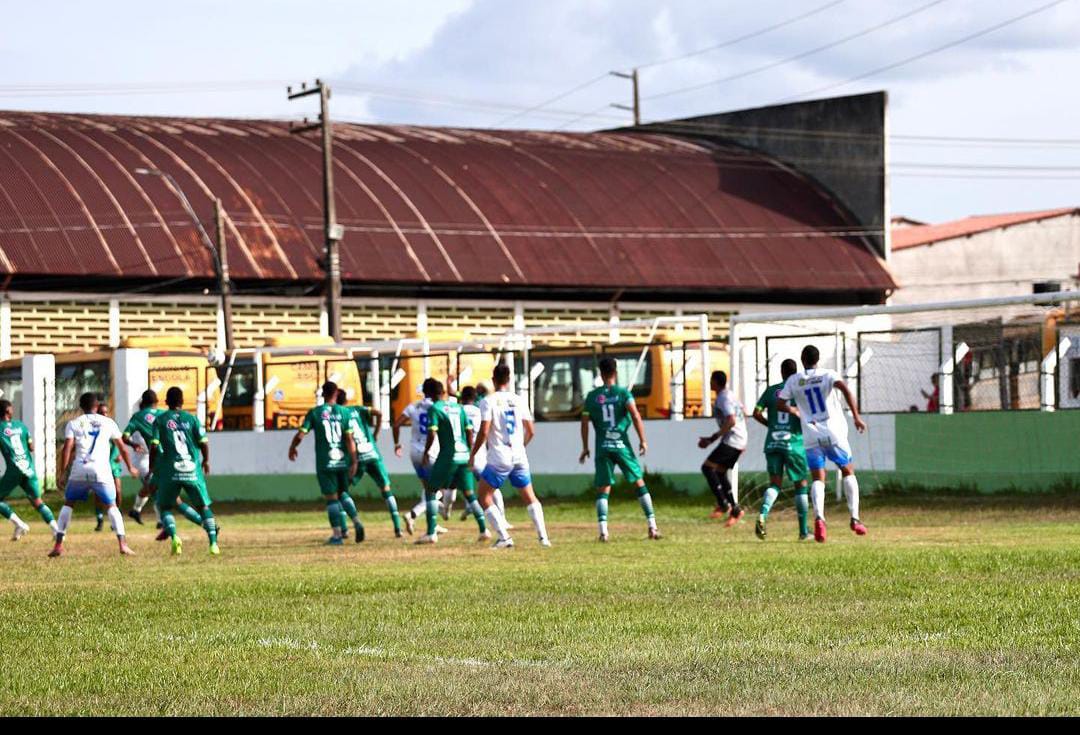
724, 456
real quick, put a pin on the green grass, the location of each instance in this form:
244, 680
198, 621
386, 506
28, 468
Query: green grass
953, 607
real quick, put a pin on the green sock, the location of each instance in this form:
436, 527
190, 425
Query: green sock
601, 507
334, 513
5, 510
168, 522
646, 501
475, 509
350, 509
391, 505
210, 524
45, 513
431, 510
190, 513
802, 508
99, 514
767, 501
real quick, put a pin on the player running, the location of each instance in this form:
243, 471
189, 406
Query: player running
117, 470
471, 400
180, 456
506, 428
137, 435
611, 409
731, 421
84, 462
448, 424
825, 432
362, 420
784, 454
335, 457
415, 415
17, 447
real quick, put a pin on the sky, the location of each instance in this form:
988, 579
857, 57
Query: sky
488, 63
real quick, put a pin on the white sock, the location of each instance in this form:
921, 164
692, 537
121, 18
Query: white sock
851, 492
734, 488
65, 520
15, 520
536, 512
498, 498
116, 521
419, 509
140, 503
603, 527
53, 526
450, 498
652, 523
497, 521
157, 513
817, 498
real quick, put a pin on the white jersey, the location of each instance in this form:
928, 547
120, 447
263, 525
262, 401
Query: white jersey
93, 435
821, 415
727, 405
473, 415
507, 413
417, 414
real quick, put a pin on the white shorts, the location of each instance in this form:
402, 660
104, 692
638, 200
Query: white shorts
825, 442
416, 456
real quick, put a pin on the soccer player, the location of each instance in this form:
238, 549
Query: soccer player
335, 457
368, 458
84, 461
17, 447
448, 424
825, 432
415, 415
732, 435
471, 401
137, 435
784, 454
180, 456
506, 428
611, 409
117, 470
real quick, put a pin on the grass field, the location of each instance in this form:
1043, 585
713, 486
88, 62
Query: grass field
962, 606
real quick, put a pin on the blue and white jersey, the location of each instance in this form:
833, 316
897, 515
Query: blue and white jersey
812, 392
93, 435
417, 414
507, 413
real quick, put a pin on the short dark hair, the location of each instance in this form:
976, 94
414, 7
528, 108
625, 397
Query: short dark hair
437, 389
810, 356
428, 387
608, 367
720, 378
5, 404
501, 374
468, 394
788, 368
88, 402
174, 397
342, 397
329, 391
149, 398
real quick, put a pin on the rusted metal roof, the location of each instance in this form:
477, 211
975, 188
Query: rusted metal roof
421, 206
924, 234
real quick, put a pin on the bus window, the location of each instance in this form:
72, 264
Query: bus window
560, 388
72, 380
239, 401
11, 389
626, 364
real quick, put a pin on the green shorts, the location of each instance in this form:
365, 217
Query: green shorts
376, 469
606, 459
168, 492
332, 482
790, 464
118, 470
13, 478
450, 474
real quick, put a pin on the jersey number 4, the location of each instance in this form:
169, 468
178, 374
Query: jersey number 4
608, 410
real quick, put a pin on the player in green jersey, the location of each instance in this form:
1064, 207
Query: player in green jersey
137, 435
335, 457
450, 424
180, 456
784, 454
17, 447
611, 409
364, 423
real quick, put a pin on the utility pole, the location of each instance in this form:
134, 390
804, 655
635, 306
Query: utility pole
223, 274
636, 108
331, 229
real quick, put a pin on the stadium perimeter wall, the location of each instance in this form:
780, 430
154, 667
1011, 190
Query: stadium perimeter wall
991, 451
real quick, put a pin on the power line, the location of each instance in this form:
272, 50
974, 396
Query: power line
816, 50
930, 52
547, 102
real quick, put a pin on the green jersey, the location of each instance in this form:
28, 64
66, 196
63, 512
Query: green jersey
785, 431
360, 424
179, 437
15, 446
608, 407
451, 424
114, 461
330, 423
142, 424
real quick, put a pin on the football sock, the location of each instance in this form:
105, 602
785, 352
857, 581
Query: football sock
431, 511
190, 513
63, 523
771, 494
5, 510
349, 505
168, 522
474, 507
802, 509
536, 513
99, 514
497, 521
851, 492
391, 505
645, 500
497, 496
140, 503
716, 485
601, 512
419, 507
450, 497
210, 524
817, 497
116, 520
46, 514
334, 514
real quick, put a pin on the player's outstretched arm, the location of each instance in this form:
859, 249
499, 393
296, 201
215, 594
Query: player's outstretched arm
295, 446
584, 439
395, 429
639, 427
841, 386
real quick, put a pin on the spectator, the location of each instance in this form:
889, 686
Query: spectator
933, 398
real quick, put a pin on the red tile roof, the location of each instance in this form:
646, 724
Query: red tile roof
909, 237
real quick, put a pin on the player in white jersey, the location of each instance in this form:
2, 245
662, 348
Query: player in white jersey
731, 431
88, 441
825, 433
506, 427
415, 415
